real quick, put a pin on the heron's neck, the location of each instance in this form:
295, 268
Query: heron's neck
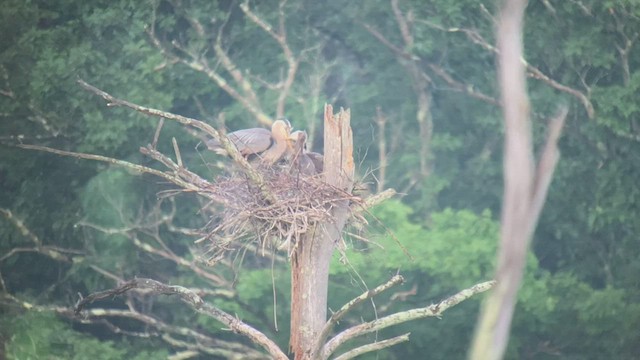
275, 152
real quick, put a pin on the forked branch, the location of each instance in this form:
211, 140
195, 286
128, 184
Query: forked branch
532, 71
154, 327
196, 302
174, 178
252, 173
525, 186
333, 320
280, 36
401, 317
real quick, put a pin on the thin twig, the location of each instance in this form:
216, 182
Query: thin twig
176, 150
156, 135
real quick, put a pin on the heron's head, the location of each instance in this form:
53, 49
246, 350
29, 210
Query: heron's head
298, 135
282, 121
286, 122
299, 138
281, 130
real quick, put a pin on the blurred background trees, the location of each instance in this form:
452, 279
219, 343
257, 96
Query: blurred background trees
420, 81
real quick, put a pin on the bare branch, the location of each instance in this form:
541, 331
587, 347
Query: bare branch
201, 65
532, 71
628, 42
196, 302
252, 173
176, 150
149, 226
106, 273
464, 88
492, 332
397, 279
374, 200
378, 345
585, 10
335, 317
546, 166
281, 38
535, 73
196, 348
216, 280
156, 327
135, 167
456, 85
525, 187
156, 135
419, 80
53, 252
19, 224
251, 98
244, 95
399, 52
201, 125
401, 317
403, 25
398, 296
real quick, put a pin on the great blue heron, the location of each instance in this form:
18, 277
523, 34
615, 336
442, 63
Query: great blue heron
270, 146
307, 162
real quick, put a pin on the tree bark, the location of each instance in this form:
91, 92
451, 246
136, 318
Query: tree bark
312, 255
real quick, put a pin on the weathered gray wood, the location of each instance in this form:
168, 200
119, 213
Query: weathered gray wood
312, 255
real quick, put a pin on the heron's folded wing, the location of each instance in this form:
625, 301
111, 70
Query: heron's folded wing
251, 141
247, 141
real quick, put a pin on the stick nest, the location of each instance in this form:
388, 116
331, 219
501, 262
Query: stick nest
301, 203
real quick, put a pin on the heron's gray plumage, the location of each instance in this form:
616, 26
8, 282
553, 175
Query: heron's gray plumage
247, 141
270, 146
307, 163
317, 159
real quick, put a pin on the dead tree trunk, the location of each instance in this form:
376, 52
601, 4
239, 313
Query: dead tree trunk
312, 255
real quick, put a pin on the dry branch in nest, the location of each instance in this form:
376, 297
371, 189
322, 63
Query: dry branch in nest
301, 202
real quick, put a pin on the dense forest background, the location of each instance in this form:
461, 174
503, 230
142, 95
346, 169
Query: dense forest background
419, 78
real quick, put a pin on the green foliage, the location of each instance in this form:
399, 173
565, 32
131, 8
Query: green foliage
112, 200
585, 259
457, 246
37, 335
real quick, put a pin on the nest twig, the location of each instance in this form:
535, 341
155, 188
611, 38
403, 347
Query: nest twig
301, 202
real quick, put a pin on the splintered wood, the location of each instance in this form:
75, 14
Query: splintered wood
312, 255
338, 149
